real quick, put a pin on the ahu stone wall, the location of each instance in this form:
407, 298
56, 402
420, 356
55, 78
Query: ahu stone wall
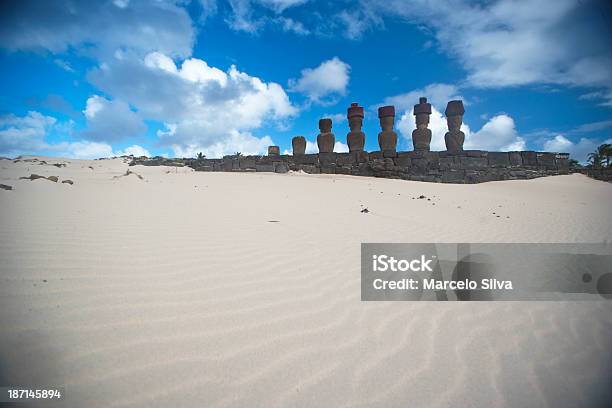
466, 166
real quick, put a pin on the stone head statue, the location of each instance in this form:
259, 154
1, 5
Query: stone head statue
356, 138
355, 117
299, 145
454, 115
421, 136
386, 115
325, 125
387, 139
454, 138
422, 112
326, 139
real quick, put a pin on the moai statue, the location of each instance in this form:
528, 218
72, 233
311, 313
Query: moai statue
356, 138
299, 145
273, 151
326, 138
421, 136
387, 139
454, 138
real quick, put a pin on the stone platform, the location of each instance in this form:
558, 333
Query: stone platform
468, 166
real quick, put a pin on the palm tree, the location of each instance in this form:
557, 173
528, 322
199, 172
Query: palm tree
594, 159
605, 150
200, 156
603, 153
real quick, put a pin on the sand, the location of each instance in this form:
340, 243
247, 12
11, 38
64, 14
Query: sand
178, 289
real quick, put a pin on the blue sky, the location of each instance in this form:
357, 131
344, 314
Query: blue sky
95, 79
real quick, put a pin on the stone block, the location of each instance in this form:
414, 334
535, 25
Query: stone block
389, 153
546, 160
529, 158
312, 159
361, 157
264, 167
515, 158
327, 159
446, 163
247, 163
498, 159
453, 176
475, 153
365, 169
310, 169
343, 159
375, 155
403, 161
281, 168
343, 169
471, 163
329, 169
227, 164
418, 165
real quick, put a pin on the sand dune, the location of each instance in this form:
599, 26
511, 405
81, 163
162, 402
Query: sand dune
176, 289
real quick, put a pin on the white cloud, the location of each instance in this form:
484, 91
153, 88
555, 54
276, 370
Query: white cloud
23, 134
340, 147
329, 79
294, 26
134, 150
63, 65
203, 106
311, 147
437, 125
243, 142
111, 120
577, 151
26, 135
509, 42
498, 134
82, 150
97, 28
437, 94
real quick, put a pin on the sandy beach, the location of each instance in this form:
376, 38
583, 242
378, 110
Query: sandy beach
169, 287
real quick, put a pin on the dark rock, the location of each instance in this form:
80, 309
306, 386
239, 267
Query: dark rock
498, 159
281, 168
473, 162
5, 187
529, 158
265, 167
327, 159
515, 158
33, 177
68, 182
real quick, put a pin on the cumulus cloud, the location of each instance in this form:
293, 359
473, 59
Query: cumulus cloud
578, 150
24, 135
437, 94
111, 120
437, 125
498, 134
134, 150
204, 108
327, 80
243, 142
97, 28
508, 43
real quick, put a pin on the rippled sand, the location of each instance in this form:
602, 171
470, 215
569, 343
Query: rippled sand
243, 290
